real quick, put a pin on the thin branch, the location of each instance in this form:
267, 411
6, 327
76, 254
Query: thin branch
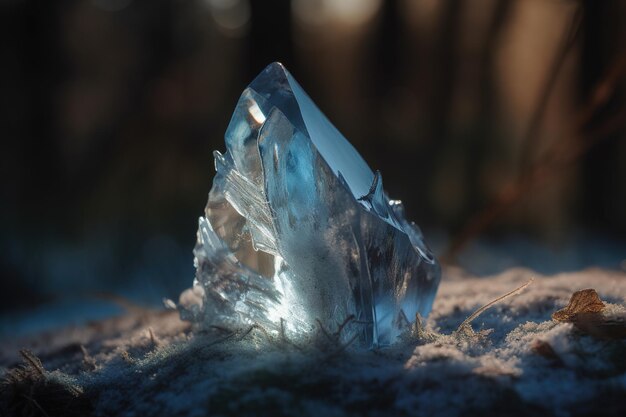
561, 154
531, 136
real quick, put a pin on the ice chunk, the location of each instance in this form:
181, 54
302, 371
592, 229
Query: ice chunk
298, 228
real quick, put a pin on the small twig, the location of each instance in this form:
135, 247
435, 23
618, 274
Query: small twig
323, 330
256, 326
341, 348
283, 336
213, 342
350, 318
467, 321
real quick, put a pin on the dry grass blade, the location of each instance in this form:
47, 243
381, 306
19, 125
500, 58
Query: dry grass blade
28, 390
419, 331
465, 326
33, 361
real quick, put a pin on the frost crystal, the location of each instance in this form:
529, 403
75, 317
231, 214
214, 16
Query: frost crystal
298, 228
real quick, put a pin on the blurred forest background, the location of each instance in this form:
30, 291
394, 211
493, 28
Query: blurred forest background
499, 123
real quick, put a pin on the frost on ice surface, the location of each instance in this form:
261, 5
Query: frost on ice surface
298, 228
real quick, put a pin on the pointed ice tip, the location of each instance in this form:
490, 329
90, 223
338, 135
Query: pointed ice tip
276, 65
274, 74
280, 90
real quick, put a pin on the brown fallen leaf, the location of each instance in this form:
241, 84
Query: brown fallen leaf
582, 302
585, 312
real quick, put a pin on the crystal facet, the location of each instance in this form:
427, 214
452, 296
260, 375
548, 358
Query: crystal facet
298, 228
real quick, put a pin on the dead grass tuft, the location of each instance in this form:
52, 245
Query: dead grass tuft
30, 391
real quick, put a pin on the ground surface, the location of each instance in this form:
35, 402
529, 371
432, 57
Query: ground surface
149, 363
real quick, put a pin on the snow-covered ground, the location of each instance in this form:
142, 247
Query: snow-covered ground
518, 362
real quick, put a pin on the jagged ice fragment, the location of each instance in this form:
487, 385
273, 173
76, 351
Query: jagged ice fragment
298, 228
